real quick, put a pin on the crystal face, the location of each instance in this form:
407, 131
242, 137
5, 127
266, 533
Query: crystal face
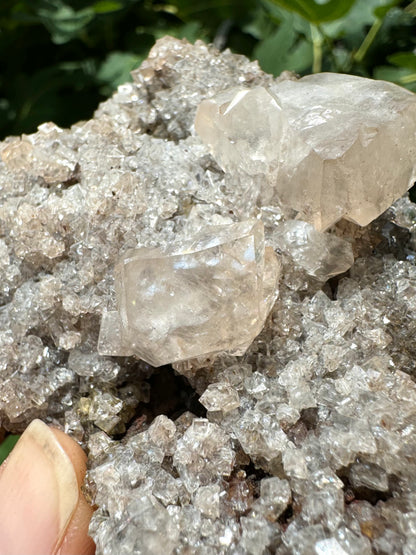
209, 294
329, 146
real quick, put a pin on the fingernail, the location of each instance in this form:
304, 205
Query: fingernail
38, 494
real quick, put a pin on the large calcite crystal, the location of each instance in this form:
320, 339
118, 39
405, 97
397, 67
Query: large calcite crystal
210, 294
329, 146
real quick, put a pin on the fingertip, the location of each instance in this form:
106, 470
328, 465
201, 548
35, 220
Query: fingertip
76, 538
42, 508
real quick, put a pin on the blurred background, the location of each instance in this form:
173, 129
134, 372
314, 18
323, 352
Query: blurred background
60, 58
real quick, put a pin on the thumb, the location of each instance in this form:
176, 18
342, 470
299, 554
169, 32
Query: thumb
42, 510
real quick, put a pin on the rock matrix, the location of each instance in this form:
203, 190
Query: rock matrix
306, 443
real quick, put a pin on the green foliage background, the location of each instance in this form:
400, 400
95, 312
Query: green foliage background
59, 58
7, 446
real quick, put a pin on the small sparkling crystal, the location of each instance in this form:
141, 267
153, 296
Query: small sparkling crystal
203, 453
220, 397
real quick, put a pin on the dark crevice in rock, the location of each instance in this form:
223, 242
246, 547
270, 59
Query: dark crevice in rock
310, 417
333, 284
74, 179
241, 492
307, 422
171, 395
362, 493
394, 240
286, 517
255, 473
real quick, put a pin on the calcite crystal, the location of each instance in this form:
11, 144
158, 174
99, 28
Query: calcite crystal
322, 255
305, 444
329, 146
208, 294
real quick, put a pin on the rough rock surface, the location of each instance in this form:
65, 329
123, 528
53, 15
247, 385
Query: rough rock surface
307, 443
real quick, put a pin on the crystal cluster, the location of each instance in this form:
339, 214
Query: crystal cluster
306, 443
209, 294
330, 146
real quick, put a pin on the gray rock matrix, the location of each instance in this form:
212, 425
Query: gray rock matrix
304, 445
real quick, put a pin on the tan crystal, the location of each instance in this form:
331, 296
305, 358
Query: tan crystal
328, 146
199, 297
21, 154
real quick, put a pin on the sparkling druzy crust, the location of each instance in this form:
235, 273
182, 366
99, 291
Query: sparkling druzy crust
194, 298
329, 146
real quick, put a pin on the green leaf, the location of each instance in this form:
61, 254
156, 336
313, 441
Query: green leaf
190, 31
300, 58
65, 24
353, 24
317, 12
277, 15
272, 52
259, 25
411, 8
383, 10
403, 59
7, 446
207, 10
390, 73
341, 60
400, 75
115, 70
107, 6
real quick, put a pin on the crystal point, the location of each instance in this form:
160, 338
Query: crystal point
328, 146
195, 298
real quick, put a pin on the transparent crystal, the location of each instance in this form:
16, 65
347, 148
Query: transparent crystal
321, 449
326, 145
203, 453
220, 397
275, 495
329, 546
256, 534
203, 296
322, 255
207, 500
162, 432
144, 527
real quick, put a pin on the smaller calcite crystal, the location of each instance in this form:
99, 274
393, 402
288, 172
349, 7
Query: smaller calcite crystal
198, 297
321, 254
42, 156
328, 146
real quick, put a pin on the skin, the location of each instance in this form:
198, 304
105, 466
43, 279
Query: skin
30, 492
76, 539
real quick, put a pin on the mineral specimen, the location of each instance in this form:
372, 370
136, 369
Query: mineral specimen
209, 294
329, 146
305, 444
322, 255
